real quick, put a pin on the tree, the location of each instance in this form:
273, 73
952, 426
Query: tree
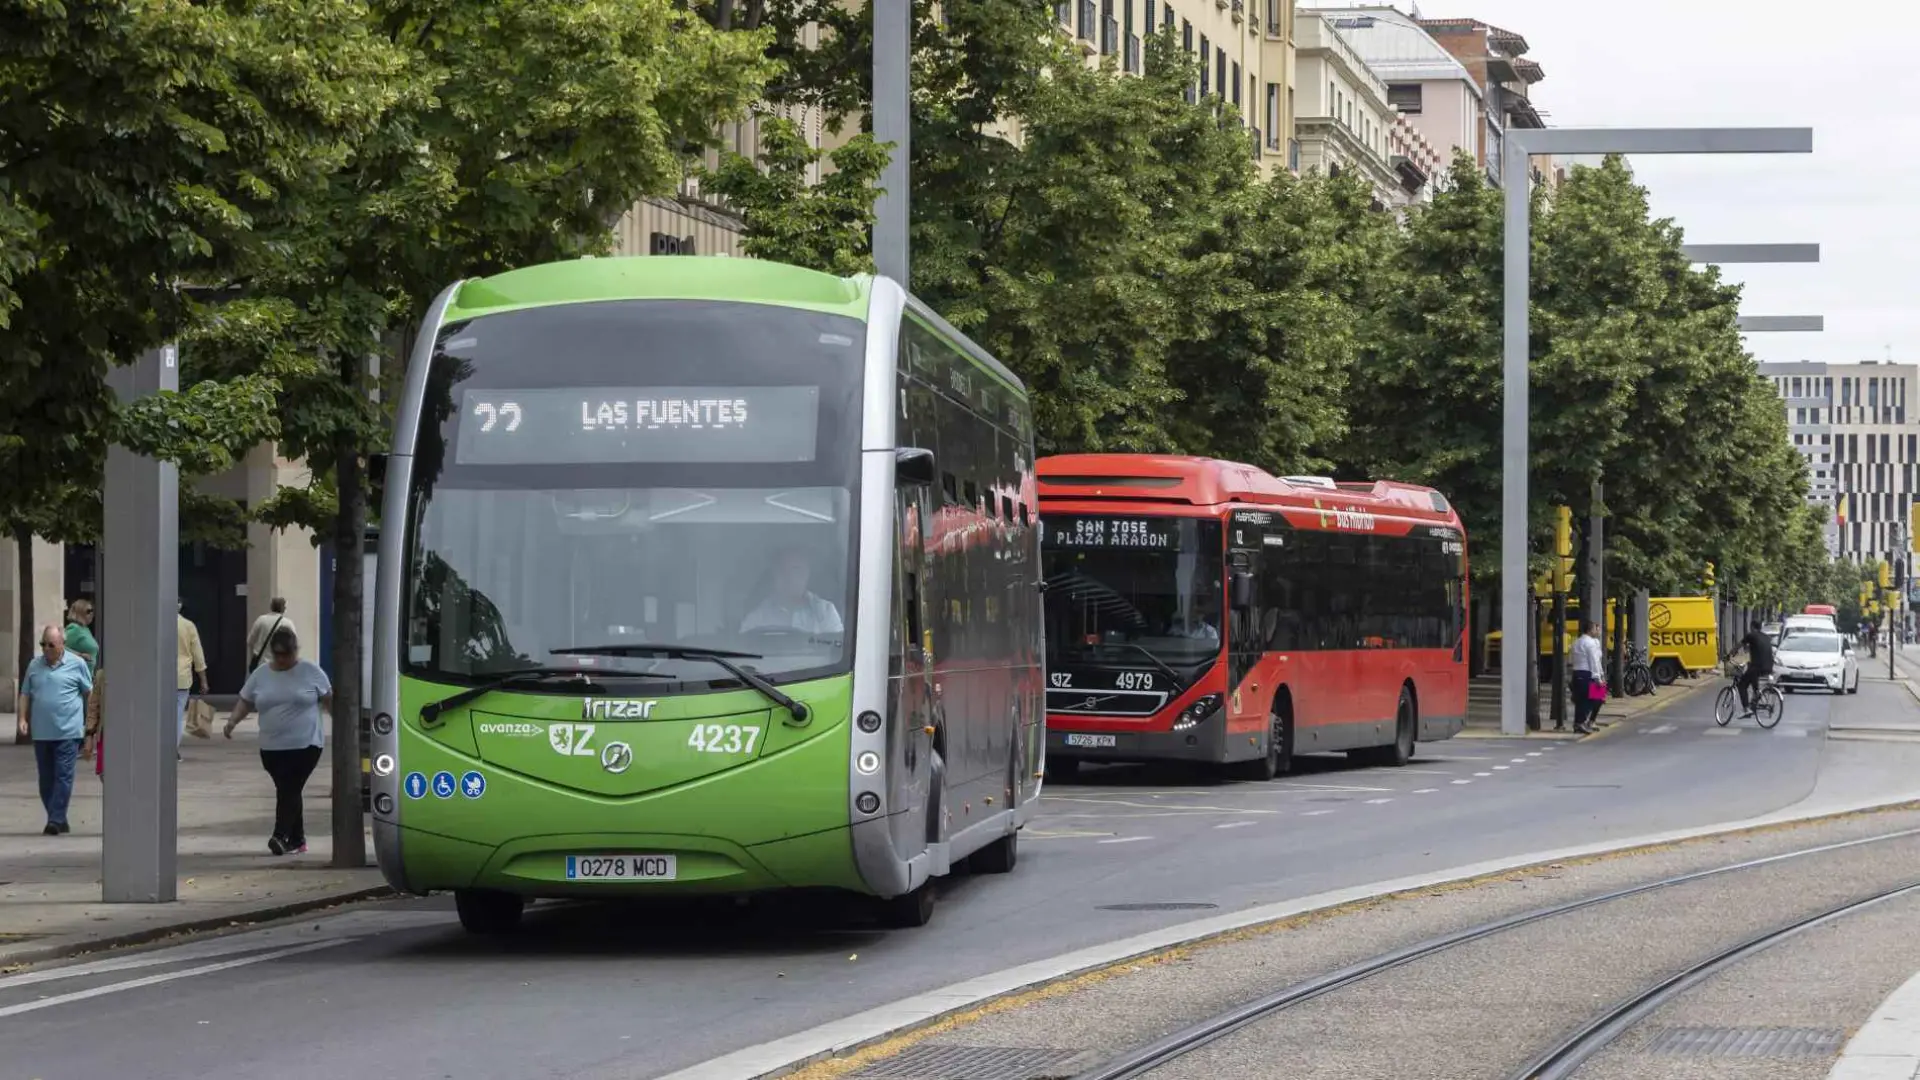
517, 132
141, 144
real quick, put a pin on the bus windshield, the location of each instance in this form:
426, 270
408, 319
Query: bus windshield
668, 473
1117, 586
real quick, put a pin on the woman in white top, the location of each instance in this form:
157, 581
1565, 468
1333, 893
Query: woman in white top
1589, 667
293, 699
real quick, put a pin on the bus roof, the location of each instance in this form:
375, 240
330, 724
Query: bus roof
662, 277
1209, 482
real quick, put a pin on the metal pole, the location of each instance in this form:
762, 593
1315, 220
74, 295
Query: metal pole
1514, 613
892, 123
141, 542
1596, 555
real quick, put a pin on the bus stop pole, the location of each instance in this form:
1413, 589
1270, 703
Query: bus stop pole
141, 557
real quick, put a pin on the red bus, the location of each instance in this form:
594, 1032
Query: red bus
1345, 615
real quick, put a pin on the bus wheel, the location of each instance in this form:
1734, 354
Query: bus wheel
485, 911
1400, 751
1665, 670
998, 857
1262, 769
908, 910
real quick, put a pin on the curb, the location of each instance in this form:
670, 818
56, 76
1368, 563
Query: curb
1887, 1046
1658, 707
13, 961
872, 1027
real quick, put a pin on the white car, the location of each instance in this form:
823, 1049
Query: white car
1810, 659
1810, 622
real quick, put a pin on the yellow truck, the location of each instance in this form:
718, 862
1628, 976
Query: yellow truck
1682, 636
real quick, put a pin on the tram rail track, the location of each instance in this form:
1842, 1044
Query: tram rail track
1574, 1050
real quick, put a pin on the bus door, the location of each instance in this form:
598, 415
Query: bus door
912, 791
1246, 631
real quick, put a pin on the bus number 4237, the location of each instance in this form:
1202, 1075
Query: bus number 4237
723, 738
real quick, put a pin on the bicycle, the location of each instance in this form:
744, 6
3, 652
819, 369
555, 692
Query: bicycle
1637, 677
1769, 701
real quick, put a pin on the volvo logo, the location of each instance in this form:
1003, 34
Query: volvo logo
616, 757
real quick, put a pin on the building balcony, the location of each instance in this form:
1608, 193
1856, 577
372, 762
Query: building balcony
1412, 176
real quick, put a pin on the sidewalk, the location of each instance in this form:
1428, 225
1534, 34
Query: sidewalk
50, 885
1483, 714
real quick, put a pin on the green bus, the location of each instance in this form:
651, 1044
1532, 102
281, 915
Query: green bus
702, 575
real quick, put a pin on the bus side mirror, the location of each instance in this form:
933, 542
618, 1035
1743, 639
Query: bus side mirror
913, 465
1242, 589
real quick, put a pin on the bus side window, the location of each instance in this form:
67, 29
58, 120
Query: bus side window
949, 488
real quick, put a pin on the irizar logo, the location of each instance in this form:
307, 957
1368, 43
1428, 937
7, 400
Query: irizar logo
571, 740
616, 709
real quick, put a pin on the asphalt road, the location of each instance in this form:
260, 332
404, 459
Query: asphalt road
396, 989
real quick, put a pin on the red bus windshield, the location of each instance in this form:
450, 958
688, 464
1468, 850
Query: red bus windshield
1133, 590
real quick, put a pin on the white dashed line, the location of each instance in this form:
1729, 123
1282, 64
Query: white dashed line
1127, 839
1316, 813
1519, 761
1463, 781
1425, 790
1234, 825
1377, 802
1483, 774
1663, 729
1533, 753
1497, 768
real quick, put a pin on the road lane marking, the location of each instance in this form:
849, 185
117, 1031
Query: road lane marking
1483, 774
1463, 781
1498, 768
1125, 840
1377, 802
1519, 761
1425, 790
1663, 729
1060, 834
155, 980
1533, 753
1315, 813
1234, 825
1292, 784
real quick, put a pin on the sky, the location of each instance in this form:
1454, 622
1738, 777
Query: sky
1850, 73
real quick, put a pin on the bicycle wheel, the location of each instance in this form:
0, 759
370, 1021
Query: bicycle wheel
1723, 706
1639, 680
1768, 707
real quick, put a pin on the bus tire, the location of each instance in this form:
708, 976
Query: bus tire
998, 857
1277, 759
909, 910
1665, 670
1406, 723
487, 911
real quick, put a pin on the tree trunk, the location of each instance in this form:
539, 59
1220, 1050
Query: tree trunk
23, 551
349, 539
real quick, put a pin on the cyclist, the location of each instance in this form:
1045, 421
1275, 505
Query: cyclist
1759, 663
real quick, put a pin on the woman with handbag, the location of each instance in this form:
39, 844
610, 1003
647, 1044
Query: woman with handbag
1589, 678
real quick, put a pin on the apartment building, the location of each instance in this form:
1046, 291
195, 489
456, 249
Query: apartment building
1495, 59
1858, 427
1245, 49
1346, 124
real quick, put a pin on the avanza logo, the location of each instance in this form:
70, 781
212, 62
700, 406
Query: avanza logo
511, 729
616, 709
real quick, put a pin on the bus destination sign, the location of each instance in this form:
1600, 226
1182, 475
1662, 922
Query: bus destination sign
1151, 534
613, 425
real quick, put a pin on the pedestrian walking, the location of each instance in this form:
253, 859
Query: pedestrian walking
79, 634
1589, 667
53, 713
263, 628
190, 666
293, 699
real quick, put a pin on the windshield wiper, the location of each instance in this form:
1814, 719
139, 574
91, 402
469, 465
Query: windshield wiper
1149, 654
531, 676
722, 658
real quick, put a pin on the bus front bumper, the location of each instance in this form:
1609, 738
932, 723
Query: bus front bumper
1204, 742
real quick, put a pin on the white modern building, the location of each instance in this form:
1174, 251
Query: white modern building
1858, 426
1346, 124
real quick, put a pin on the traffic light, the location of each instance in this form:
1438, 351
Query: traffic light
1709, 577
1563, 549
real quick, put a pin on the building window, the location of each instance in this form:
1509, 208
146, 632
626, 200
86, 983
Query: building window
1236, 83
1206, 69
1109, 29
1169, 13
1273, 115
1063, 11
1186, 34
1089, 16
1126, 31
1148, 25
1404, 97
1220, 69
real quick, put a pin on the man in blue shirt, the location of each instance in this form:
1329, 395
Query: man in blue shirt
53, 710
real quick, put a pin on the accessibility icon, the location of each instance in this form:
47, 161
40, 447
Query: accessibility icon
443, 785
473, 785
416, 785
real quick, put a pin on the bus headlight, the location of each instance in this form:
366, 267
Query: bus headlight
1197, 712
868, 763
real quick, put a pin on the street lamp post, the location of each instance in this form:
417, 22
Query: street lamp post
892, 123
1518, 148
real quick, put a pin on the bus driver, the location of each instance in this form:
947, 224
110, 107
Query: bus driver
789, 605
